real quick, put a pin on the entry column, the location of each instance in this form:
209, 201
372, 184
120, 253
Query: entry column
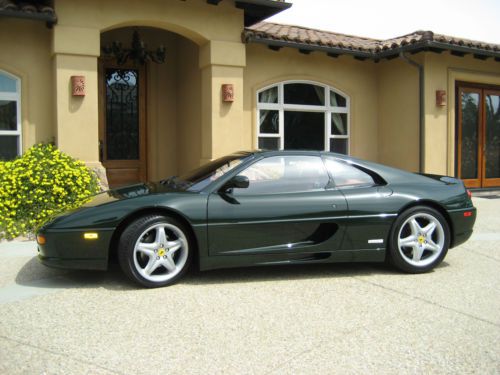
221, 63
75, 53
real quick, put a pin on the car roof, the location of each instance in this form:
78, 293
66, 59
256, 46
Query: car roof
386, 173
267, 153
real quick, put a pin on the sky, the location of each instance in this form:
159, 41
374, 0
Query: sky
384, 19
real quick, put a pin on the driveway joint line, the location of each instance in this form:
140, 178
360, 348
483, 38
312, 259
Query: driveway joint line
290, 359
483, 255
428, 302
82, 361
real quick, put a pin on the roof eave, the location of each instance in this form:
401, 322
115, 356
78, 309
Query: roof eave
377, 55
259, 10
431, 45
466, 49
309, 47
50, 19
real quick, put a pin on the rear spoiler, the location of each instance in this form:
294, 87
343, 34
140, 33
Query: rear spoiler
445, 179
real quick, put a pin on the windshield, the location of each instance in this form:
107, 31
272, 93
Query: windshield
200, 177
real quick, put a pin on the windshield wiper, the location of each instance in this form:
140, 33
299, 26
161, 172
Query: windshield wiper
170, 182
175, 183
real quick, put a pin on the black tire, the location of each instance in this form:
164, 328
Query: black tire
141, 249
425, 249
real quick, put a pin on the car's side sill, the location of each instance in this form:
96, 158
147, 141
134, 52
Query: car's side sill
231, 261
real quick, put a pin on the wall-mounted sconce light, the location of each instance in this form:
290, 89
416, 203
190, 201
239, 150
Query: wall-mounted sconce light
440, 98
78, 85
228, 92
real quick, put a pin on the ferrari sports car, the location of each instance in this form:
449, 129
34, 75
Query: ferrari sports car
265, 208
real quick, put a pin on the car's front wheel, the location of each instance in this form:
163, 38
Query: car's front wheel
419, 240
155, 250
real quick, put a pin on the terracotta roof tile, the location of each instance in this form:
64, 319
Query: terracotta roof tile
40, 9
301, 36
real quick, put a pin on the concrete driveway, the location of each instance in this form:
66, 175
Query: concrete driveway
326, 319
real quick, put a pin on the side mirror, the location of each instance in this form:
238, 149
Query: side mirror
239, 182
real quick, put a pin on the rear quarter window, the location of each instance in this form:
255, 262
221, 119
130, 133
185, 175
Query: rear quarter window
347, 175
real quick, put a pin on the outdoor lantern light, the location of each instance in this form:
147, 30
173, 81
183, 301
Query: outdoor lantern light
440, 98
78, 85
137, 52
228, 92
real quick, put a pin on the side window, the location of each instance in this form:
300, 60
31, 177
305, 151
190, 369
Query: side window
285, 174
10, 120
346, 175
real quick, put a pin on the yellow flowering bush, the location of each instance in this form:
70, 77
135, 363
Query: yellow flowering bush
38, 185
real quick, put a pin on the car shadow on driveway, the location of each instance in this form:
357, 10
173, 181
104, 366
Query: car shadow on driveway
34, 274
285, 272
292, 272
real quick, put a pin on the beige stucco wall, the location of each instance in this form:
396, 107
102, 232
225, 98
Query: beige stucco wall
214, 34
222, 126
195, 19
188, 90
399, 108
398, 114
442, 71
188, 123
25, 47
357, 79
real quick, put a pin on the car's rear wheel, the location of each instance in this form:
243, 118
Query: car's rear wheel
155, 250
419, 240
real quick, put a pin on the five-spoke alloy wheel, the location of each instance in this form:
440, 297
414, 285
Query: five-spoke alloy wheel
155, 250
419, 240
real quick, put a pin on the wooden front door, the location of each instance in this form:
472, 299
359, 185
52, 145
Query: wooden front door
122, 123
478, 135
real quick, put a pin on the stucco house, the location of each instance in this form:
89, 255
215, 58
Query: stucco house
140, 90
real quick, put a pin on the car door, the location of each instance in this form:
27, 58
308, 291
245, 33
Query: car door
288, 207
370, 205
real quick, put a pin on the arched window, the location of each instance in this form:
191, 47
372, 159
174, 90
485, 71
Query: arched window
296, 115
10, 119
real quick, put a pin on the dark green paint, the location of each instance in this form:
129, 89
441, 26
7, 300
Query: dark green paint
231, 230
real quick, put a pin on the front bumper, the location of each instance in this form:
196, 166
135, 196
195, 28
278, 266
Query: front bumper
69, 249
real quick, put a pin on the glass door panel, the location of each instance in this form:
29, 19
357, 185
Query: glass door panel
122, 114
492, 136
469, 135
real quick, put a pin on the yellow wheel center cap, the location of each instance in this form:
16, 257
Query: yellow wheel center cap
161, 252
421, 239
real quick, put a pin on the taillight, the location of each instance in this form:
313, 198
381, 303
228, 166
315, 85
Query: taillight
469, 194
467, 213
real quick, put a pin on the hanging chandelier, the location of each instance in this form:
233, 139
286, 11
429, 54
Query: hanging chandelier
138, 52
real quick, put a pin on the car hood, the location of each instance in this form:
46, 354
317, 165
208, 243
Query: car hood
132, 191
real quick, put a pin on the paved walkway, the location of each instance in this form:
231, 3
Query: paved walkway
325, 319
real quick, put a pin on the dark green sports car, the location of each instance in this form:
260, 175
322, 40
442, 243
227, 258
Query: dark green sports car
265, 208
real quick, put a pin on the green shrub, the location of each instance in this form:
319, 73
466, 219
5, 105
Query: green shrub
38, 185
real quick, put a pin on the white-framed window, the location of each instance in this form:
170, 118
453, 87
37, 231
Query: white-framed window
302, 115
10, 116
